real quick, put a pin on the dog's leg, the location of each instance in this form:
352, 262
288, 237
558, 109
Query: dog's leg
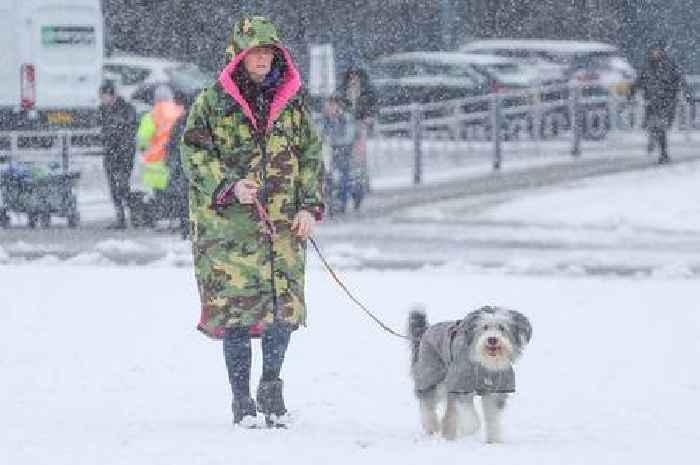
451, 419
493, 404
428, 401
468, 418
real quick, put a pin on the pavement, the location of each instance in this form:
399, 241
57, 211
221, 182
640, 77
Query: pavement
371, 226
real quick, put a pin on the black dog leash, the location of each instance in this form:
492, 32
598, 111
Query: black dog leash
352, 297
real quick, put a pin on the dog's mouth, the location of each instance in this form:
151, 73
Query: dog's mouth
493, 350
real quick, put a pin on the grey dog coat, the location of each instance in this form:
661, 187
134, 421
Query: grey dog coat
443, 356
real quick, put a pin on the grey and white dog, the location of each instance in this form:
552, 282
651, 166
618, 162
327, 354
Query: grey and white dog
455, 360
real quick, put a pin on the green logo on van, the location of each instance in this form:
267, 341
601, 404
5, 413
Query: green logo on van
67, 35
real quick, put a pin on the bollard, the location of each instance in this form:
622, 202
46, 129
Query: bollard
416, 132
65, 158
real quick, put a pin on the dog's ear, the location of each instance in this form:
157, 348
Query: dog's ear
523, 329
469, 324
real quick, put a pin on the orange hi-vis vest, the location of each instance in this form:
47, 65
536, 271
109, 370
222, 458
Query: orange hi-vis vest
164, 116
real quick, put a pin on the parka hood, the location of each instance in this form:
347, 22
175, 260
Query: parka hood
252, 32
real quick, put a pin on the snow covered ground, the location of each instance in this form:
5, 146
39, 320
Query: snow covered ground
103, 365
645, 222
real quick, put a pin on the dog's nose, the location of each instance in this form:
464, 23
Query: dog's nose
492, 341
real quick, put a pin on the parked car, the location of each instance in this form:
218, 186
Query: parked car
600, 68
137, 77
562, 60
432, 77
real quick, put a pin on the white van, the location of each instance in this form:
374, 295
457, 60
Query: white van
50, 72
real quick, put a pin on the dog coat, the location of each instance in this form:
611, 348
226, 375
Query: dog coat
444, 357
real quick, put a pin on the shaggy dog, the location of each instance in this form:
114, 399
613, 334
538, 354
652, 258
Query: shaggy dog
456, 360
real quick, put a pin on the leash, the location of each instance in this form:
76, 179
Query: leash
352, 297
267, 223
268, 227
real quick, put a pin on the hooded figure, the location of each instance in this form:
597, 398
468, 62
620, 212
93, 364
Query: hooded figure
250, 130
660, 81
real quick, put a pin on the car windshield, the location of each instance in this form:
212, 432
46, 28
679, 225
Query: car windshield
128, 75
597, 61
188, 77
396, 70
504, 69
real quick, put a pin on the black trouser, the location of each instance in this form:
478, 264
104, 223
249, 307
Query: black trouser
118, 179
238, 355
659, 136
342, 162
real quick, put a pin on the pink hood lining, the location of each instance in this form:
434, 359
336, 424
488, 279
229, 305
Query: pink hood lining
288, 89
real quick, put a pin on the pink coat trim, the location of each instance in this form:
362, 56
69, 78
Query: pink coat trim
288, 89
226, 81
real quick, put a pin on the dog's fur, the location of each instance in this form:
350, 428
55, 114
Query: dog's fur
454, 361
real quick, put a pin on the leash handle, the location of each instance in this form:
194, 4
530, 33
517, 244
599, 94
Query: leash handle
352, 297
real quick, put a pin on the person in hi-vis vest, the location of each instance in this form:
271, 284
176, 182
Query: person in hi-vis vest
153, 134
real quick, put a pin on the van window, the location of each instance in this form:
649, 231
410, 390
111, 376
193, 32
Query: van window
58, 42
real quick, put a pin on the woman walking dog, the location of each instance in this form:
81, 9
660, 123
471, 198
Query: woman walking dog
253, 160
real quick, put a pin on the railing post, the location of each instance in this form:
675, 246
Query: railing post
536, 112
496, 125
416, 116
576, 119
65, 157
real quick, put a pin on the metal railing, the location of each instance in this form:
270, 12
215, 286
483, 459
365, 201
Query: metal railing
16, 144
563, 113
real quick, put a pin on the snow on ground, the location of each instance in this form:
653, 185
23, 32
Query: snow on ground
640, 222
101, 362
103, 365
665, 199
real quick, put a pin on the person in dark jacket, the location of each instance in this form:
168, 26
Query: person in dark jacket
660, 81
119, 121
339, 126
359, 95
361, 101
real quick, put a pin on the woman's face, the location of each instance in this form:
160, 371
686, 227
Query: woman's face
354, 81
258, 62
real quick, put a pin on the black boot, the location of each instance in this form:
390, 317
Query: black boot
238, 356
271, 403
244, 412
120, 223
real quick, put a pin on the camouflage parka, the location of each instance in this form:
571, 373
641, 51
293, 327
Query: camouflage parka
244, 277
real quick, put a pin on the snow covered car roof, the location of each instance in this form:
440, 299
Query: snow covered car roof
452, 58
551, 46
508, 69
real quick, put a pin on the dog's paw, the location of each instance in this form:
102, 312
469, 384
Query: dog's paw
469, 423
430, 423
449, 427
494, 436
